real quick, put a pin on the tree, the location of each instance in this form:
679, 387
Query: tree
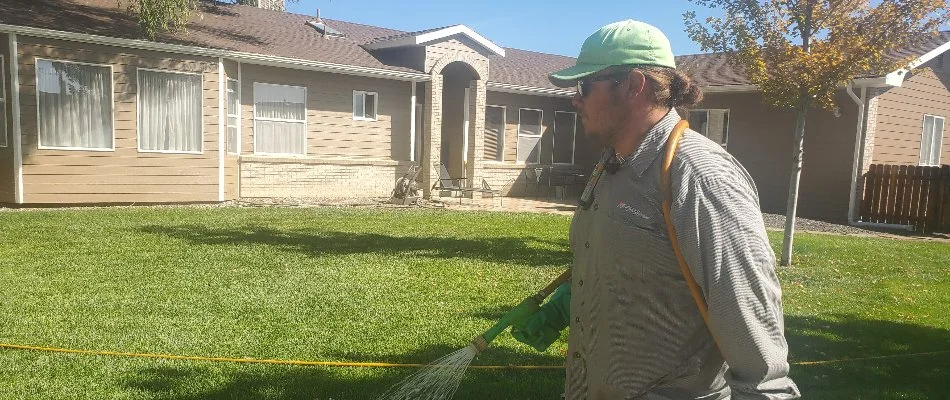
160, 16
799, 52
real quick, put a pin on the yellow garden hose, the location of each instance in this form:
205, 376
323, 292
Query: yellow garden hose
255, 360
381, 365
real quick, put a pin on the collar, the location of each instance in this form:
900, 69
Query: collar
653, 143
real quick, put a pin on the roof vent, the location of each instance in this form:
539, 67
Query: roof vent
323, 28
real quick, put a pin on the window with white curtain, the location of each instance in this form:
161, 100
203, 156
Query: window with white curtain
364, 105
931, 140
495, 133
529, 136
3, 107
74, 102
280, 119
170, 118
234, 124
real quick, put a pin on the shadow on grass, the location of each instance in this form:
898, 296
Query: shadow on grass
845, 337
511, 250
232, 381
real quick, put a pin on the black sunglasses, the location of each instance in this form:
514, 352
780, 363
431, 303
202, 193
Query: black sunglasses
584, 85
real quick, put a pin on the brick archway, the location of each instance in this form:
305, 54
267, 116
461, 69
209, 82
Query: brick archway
434, 113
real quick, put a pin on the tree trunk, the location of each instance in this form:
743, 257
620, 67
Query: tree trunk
792, 206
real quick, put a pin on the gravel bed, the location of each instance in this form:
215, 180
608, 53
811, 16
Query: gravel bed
777, 222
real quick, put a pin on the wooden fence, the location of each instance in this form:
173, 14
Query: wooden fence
908, 195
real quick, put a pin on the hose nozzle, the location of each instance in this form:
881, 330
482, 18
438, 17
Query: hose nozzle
480, 344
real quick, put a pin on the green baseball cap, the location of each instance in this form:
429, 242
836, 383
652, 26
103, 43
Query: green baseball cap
626, 42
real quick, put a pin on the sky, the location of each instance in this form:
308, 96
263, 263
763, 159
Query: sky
553, 26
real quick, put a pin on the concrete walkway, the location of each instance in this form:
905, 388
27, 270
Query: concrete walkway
550, 205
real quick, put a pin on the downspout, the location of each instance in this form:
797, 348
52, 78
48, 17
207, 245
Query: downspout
222, 118
240, 125
17, 127
412, 123
858, 165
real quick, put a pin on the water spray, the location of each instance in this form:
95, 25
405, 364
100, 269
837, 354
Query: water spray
440, 379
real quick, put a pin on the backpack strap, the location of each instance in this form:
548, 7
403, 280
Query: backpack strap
666, 186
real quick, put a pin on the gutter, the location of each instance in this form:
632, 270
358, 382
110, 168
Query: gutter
248, 58
858, 164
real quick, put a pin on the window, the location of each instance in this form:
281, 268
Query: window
3, 107
364, 105
280, 119
74, 105
931, 140
565, 126
529, 136
234, 123
170, 117
713, 124
495, 133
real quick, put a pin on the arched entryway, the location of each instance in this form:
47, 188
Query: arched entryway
456, 117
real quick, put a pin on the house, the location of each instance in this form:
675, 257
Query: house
252, 102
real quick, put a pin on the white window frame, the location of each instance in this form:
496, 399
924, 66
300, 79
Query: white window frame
304, 121
540, 133
237, 112
363, 117
725, 136
504, 124
573, 138
36, 81
935, 141
138, 111
3, 102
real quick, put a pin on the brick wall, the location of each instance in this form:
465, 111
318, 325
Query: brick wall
310, 178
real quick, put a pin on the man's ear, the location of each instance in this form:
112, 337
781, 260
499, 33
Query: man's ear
637, 83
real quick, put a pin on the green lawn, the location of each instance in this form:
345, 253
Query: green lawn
405, 286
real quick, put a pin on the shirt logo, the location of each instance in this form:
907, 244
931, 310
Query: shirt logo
630, 210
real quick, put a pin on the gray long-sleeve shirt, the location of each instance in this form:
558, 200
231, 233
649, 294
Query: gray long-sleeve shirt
635, 330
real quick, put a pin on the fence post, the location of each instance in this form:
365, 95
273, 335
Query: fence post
867, 185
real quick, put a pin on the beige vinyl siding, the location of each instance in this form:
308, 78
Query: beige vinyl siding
761, 139
331, 129
7, 170
125, 174
584, 152
901, 113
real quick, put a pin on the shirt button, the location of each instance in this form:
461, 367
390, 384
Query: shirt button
581, 282
596, 206
577, 354
587, 244
577, 319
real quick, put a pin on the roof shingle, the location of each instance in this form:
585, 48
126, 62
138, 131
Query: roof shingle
276, 33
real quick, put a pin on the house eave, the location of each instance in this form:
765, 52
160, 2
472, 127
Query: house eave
423, 39
529, 90
250, 58
730, 89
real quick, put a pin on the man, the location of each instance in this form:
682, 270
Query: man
635, 330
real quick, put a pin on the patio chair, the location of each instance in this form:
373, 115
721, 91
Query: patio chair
532, 177
447, 183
